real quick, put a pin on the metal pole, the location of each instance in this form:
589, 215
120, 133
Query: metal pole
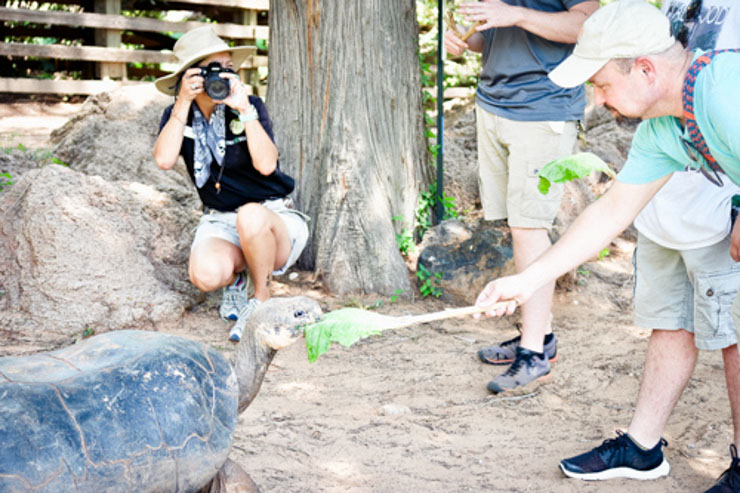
440, 111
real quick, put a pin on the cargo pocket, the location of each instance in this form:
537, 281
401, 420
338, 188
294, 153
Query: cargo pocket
714, 295
535, 205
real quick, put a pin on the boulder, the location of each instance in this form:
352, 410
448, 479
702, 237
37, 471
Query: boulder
466, 257
80, 252
113, 135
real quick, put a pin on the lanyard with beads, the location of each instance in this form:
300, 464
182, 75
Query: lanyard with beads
688, 106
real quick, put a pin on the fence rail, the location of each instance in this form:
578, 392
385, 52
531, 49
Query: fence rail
238, 21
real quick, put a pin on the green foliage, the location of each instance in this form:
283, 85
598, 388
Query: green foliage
571, 168
604, 253
396, 294
426, 204
460, 71
431, 282
6, 180
404, 239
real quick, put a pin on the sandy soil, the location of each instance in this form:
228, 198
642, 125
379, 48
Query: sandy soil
409, 411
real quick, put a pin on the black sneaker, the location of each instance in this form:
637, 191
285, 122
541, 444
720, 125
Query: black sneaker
527, 367
618, 458
504, 353
729, 481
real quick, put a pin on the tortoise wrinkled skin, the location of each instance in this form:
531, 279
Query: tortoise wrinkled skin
132, 410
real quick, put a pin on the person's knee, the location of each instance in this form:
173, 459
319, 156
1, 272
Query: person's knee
252, 221
209, 276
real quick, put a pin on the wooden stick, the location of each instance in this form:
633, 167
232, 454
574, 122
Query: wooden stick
471, 31
444, 314
450, 19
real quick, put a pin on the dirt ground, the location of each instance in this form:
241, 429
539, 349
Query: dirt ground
409, 410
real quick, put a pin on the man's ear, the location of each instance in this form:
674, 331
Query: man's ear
645, 66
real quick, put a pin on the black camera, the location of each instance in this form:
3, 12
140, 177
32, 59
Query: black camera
216, 87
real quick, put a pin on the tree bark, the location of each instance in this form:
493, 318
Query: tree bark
344, 93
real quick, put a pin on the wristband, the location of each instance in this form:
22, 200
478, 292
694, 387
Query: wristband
250, 115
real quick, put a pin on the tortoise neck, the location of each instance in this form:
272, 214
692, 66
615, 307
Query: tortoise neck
250, 363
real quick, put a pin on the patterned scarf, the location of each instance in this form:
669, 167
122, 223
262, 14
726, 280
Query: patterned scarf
209, 142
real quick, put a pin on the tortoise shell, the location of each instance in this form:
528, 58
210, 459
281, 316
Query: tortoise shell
117, 411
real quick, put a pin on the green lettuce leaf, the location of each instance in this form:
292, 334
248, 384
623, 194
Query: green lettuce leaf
345, 326
571, 168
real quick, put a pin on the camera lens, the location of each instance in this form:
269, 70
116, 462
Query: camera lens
216, 87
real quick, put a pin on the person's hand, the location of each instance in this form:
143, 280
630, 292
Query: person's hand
511, 291
735, 241
493, 13
453, 44
191, 84
238, 97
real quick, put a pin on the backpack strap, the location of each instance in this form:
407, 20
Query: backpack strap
688, 106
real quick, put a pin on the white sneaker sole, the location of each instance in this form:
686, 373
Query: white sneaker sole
620, 472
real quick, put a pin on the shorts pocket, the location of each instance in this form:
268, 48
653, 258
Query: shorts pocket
535, 205
713, 297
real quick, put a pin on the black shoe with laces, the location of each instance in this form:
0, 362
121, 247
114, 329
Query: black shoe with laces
527, 367
618, 458
729, 481
505, 352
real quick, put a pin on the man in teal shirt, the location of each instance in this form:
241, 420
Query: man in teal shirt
638, 70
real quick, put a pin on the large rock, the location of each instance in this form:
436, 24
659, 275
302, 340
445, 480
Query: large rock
113, 135
467, 258
81, 252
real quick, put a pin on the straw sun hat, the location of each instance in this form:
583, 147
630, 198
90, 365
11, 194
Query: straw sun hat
194, 46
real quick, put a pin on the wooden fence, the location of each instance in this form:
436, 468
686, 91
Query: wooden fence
91, 34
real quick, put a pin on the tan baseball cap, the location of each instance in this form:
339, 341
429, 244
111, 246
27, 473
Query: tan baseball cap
621, 29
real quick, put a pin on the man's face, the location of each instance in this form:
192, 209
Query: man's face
623, 94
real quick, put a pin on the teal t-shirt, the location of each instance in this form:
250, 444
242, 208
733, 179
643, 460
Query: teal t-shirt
658, 147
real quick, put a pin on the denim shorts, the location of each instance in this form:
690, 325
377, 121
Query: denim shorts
687, 289
216, 224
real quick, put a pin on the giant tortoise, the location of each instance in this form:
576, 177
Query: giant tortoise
135, 410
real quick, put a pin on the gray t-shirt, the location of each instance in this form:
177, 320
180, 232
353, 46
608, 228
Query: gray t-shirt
513, 81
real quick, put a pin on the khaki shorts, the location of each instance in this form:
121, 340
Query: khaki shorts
215, 224
510, 155
687, 289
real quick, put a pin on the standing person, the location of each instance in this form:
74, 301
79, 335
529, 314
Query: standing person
228, 147
682, 247
524, 121
689, 103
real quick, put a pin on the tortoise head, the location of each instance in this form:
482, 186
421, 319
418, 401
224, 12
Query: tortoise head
280, 321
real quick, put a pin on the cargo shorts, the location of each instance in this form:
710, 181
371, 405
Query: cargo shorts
510, 155
687, 289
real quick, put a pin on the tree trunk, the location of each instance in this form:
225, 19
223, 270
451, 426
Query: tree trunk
345, 97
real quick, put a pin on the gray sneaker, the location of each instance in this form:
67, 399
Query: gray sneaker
503, 354
234, 297
527, 367
235, 334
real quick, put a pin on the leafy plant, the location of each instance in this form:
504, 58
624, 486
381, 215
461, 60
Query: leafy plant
571, 168
425, 208
396, 294
6, 180
604, 253
404, 239
431, 282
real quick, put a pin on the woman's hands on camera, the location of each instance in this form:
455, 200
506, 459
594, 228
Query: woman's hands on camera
238, 97
191, 84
